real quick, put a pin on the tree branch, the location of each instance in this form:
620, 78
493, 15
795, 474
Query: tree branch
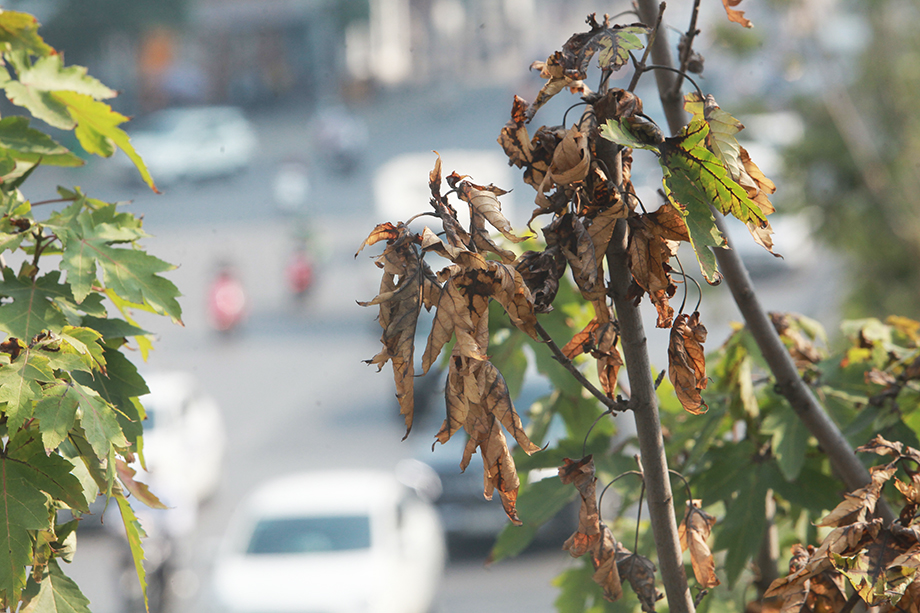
611, 403
789, 383
644, 403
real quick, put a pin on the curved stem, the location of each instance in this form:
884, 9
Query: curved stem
679, 72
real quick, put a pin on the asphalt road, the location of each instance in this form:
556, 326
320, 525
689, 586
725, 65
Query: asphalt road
291, 383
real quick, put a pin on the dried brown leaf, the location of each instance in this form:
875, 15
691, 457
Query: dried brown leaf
608, 357
687, 362
484, 201
639, 571
569, 234
541, 272
407, 284
571, 159
858, 504
588, 534
583, 341
514, 138
484, 242
694, 531
736, 15
606, 571
759, 188
458, 313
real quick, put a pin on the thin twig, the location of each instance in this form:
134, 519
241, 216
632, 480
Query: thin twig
613, 404
679, 72
54, 201
639, 66
692, 31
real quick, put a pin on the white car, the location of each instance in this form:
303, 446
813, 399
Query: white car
192, 143
340, 541
184, 438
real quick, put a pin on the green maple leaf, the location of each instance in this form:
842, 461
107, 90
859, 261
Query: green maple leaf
20, 384
33, 307
135, 533
112, 328
84, 343
695, 178
612, 44
56, 413
120, 386
617, 43
144, 342
619, 132
97, 129
57, 593
130, 273
693, 172
29, 145
722, 130
19, 32
38, 85
26, 475
98, 421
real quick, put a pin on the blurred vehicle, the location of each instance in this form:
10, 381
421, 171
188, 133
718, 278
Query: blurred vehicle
184, 441
192, 143
341, 137
226, 299
340, 541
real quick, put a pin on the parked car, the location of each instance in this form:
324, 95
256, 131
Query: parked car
192, 143
339, 541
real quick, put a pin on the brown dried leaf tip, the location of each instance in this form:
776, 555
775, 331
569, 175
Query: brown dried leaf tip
687, 363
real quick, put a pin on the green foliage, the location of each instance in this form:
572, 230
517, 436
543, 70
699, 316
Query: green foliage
68, 396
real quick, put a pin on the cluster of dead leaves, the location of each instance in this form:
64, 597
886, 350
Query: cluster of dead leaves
583, 181
477, 397
880, 562
612, 561
568, 171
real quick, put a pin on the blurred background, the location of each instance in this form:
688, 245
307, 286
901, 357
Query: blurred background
319, 121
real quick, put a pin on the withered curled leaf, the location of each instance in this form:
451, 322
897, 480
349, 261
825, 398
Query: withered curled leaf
694, 531
406, 286
479, 402
580, 473
483, 200
541, 271
639, 571
858, 504
687, 362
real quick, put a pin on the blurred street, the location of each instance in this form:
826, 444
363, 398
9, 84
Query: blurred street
291, 381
